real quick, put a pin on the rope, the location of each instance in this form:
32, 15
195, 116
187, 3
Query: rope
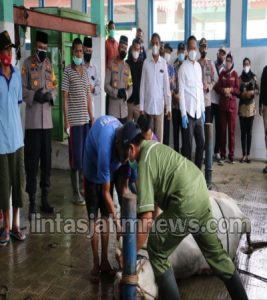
227, 233
129, 279
252, 275
133, 279
142, 291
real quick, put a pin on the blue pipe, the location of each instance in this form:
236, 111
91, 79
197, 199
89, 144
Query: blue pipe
128, 290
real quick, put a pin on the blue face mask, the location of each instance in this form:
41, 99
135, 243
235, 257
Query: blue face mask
181, 57
133, 164
77, 60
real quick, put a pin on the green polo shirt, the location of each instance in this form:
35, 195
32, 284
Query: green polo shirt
165, 176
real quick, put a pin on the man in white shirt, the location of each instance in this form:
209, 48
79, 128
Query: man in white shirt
192, 104
91, 68
155, 88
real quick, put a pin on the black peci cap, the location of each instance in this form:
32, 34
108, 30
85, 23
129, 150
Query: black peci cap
5, 41
87, 42
42, 37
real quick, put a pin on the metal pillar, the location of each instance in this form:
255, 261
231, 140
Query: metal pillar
208, 153
129, 278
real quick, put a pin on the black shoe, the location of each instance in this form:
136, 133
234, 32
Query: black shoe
264, 170
235, 287
32, 211
167, 285
46, 207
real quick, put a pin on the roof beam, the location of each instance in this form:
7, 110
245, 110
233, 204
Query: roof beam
31, 18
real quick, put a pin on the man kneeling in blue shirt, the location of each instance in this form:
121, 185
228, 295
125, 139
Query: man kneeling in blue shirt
102, 169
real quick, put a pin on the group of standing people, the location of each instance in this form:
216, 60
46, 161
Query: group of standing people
37, 86
189, 92
106, 154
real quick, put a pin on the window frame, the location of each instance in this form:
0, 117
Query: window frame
245, 42
122, 25
188, 27
42, 3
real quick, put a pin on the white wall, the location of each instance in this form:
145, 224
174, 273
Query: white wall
257, 55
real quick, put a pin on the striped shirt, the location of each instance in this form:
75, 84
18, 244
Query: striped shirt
78, 88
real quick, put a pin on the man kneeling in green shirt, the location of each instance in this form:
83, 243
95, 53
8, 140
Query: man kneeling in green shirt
169, 181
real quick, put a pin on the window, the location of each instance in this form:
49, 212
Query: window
31, 3
254, 30
124, 11
176, 20
169, 14
58, 3
208, 19
106, 16
87, 7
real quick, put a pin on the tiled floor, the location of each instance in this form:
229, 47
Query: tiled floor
56, 266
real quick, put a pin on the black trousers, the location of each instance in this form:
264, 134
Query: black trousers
166, 131
215, 114
208, 118
194, 129
37, 148
246, 125
107, 104
176, 122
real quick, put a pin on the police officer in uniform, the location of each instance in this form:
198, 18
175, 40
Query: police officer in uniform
39, 92
208, 76
118, 83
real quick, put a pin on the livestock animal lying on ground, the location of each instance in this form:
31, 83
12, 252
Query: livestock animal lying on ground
187, 258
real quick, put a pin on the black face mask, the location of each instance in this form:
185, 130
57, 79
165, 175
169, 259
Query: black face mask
87, 57
122, 55
219, 60
41, 55
203, 54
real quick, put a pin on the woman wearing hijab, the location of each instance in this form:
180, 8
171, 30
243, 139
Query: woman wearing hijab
247, 107
228, 88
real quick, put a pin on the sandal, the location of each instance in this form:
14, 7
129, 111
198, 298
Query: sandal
18, 235
4, 238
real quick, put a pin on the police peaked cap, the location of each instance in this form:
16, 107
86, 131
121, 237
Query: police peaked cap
42, 37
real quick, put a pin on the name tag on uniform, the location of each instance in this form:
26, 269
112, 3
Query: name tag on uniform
161, 71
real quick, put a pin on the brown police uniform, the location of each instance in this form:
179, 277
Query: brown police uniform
38, 122
118, 76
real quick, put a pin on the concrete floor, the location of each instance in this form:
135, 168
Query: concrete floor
56, 266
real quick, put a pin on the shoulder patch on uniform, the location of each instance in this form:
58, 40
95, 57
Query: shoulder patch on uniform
23, 70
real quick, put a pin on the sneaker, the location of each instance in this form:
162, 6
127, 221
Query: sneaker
78, 200
264, 170
221, 162
217, 157
230, 160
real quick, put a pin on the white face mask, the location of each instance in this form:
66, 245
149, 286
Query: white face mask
155, 50
135, 54
167, 57
192, 55
246, 69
